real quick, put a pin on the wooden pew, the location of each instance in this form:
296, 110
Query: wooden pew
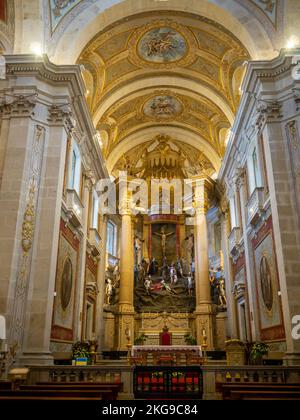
262, 394
47, 398
68, 393
5, 385
114, 388
228, 388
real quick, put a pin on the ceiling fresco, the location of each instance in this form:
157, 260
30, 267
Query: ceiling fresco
179, 71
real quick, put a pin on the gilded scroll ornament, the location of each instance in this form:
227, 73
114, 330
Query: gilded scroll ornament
29, 221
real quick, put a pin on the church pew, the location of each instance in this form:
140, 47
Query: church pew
118, 385
5, 385
226, 388
273, 394
114, 388
271, 399
100, 394
47, 398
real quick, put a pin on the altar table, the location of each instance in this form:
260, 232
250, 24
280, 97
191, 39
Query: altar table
175, 352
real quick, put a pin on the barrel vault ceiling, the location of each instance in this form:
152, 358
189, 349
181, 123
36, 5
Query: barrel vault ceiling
172, 77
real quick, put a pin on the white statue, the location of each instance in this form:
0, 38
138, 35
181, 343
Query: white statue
165, 286
148, 284
222, 293
109, 291
190, 283
116, 276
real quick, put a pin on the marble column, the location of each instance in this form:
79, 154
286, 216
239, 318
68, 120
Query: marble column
89, 180
250, 297
203, 311
101, 269
126, 309
232, 328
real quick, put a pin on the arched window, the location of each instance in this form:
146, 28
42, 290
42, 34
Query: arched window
75, 169
111, 245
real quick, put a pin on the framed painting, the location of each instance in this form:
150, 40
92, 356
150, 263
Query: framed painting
65, 287
267, 285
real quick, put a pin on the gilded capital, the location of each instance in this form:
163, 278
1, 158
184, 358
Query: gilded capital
203, 187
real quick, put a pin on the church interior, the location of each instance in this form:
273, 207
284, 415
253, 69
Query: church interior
149, 199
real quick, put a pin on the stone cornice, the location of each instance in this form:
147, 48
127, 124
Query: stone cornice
63, 75
257, 107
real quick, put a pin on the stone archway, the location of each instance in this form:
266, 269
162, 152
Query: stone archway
78, 24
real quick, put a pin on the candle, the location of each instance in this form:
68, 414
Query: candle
203, 332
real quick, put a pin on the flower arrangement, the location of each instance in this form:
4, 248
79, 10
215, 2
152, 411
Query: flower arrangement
139, 341
258, 350
190, 340
81, 349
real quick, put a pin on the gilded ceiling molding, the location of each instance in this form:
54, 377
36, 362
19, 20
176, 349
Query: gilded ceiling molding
164, 157
181, 134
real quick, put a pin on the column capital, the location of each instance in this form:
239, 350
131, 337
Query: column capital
203, 187
18, 105
61, 114
90, 179
239, 177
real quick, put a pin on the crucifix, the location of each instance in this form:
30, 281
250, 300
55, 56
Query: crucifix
164, 237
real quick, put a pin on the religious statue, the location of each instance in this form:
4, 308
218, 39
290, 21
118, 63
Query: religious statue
109, 289
145, 264
222, 293
190, 248
164, 237
218, 292
116, 276
166, 287
165, 268
190, 284
138, 248
148, 284
179, 267
141, 274
153, 267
